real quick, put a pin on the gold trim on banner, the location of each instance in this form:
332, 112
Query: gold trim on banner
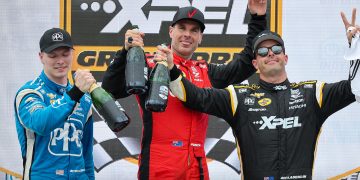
12, 173
346, 174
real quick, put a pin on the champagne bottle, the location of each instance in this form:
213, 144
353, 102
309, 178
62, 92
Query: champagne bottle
110, 110
136, 70
159, 88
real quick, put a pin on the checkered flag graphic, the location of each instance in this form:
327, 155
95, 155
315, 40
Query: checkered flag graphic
355, 176
220, 144
110, 147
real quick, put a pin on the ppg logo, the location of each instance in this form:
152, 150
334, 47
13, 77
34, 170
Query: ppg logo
57, 36
67, 140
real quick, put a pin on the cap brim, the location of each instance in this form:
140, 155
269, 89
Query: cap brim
268, 37
53, 47
202, 25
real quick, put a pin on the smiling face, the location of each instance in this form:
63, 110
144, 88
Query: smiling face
272, 65
57, 64
185, 38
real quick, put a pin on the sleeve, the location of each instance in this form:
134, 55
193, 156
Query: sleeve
355, 79
352, 54
218, 102
35, 115
240, 68
87, 142
333, 97
114, 78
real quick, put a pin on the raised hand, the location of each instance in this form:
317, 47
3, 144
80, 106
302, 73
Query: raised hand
134, 37
164, 53
84, 79
257, 6
351, 28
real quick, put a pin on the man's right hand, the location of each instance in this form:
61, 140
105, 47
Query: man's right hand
164, 53
84, 79
134, 37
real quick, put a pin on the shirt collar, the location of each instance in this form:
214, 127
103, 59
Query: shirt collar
183, 61
54, 86
275, 87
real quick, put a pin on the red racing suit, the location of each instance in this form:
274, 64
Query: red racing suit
172, 144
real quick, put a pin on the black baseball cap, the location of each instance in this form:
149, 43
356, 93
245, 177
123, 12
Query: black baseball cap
55, 38
267, 35
190, 13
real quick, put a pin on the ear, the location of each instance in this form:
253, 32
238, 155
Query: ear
41, 57
255, 64
200, 39
286, 59
171, 29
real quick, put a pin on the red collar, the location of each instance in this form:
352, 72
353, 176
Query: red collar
183, 61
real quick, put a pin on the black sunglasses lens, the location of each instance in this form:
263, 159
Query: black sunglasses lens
276, 49
262, 51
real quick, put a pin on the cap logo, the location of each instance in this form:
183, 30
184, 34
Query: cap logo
191, 14
262, 35
57, 36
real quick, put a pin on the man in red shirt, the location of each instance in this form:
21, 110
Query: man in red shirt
172, 144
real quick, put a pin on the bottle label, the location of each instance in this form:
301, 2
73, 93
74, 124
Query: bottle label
163, 92
119, 106
146, 73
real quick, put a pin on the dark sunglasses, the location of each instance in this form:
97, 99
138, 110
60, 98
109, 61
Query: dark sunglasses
263, 51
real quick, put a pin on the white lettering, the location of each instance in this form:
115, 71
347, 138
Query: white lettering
294, 177
298, 106
63, 134
272, 122
296, 101
257, 110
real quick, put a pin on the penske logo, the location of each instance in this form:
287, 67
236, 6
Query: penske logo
191, 14
272, 122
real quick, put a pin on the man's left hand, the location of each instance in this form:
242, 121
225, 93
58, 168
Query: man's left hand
351, 28
257, 6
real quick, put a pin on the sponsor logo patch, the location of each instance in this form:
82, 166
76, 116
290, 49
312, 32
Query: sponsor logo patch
257, 95
249, 101
264, 102
272, 122
256, 109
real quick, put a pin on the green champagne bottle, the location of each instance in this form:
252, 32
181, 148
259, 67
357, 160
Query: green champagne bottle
136, 70
109, 109
159, 88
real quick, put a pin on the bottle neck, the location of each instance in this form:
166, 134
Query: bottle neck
93, 87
